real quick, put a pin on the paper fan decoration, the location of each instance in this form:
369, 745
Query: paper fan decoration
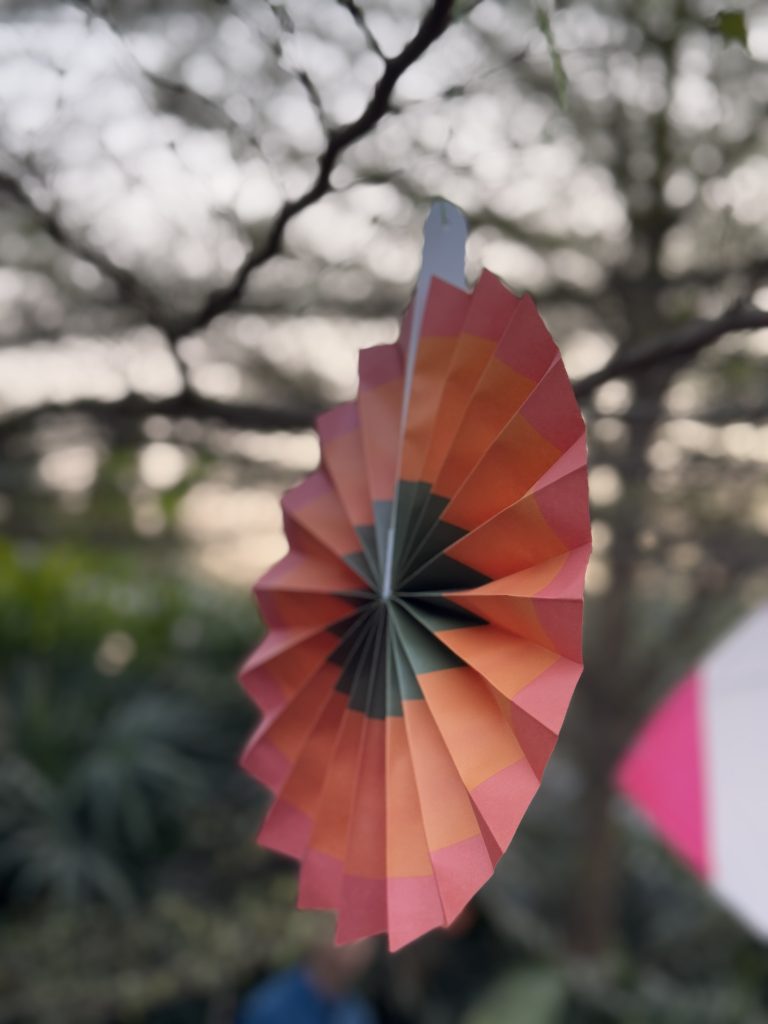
698, 768
425, 629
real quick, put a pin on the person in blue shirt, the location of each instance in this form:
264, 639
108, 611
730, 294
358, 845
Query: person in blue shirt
320, 991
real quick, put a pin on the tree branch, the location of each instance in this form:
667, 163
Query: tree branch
362, 24
217, 114
124, 281
127, 285
339, 139
674, 347
186, 404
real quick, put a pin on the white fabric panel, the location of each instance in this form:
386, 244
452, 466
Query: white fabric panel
735, 723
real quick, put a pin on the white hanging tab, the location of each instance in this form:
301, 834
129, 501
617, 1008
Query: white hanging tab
445, 240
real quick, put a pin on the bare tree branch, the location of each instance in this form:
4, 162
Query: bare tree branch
124, 281
217, 113
674, 347
313, 95
360, 20
431, 28
127, 284
752, 412
187, 404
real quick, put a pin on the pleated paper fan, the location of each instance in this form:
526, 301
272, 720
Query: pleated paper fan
424, 631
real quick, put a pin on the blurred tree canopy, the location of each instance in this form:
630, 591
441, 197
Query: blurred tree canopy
209, 207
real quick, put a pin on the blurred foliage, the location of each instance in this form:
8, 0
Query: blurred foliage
183, 947
126, 865
536, 994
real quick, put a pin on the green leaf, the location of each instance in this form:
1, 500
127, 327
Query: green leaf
732, 26
561, 79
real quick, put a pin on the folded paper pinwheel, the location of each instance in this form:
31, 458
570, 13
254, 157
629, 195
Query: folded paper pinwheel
424, 631
698, 768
